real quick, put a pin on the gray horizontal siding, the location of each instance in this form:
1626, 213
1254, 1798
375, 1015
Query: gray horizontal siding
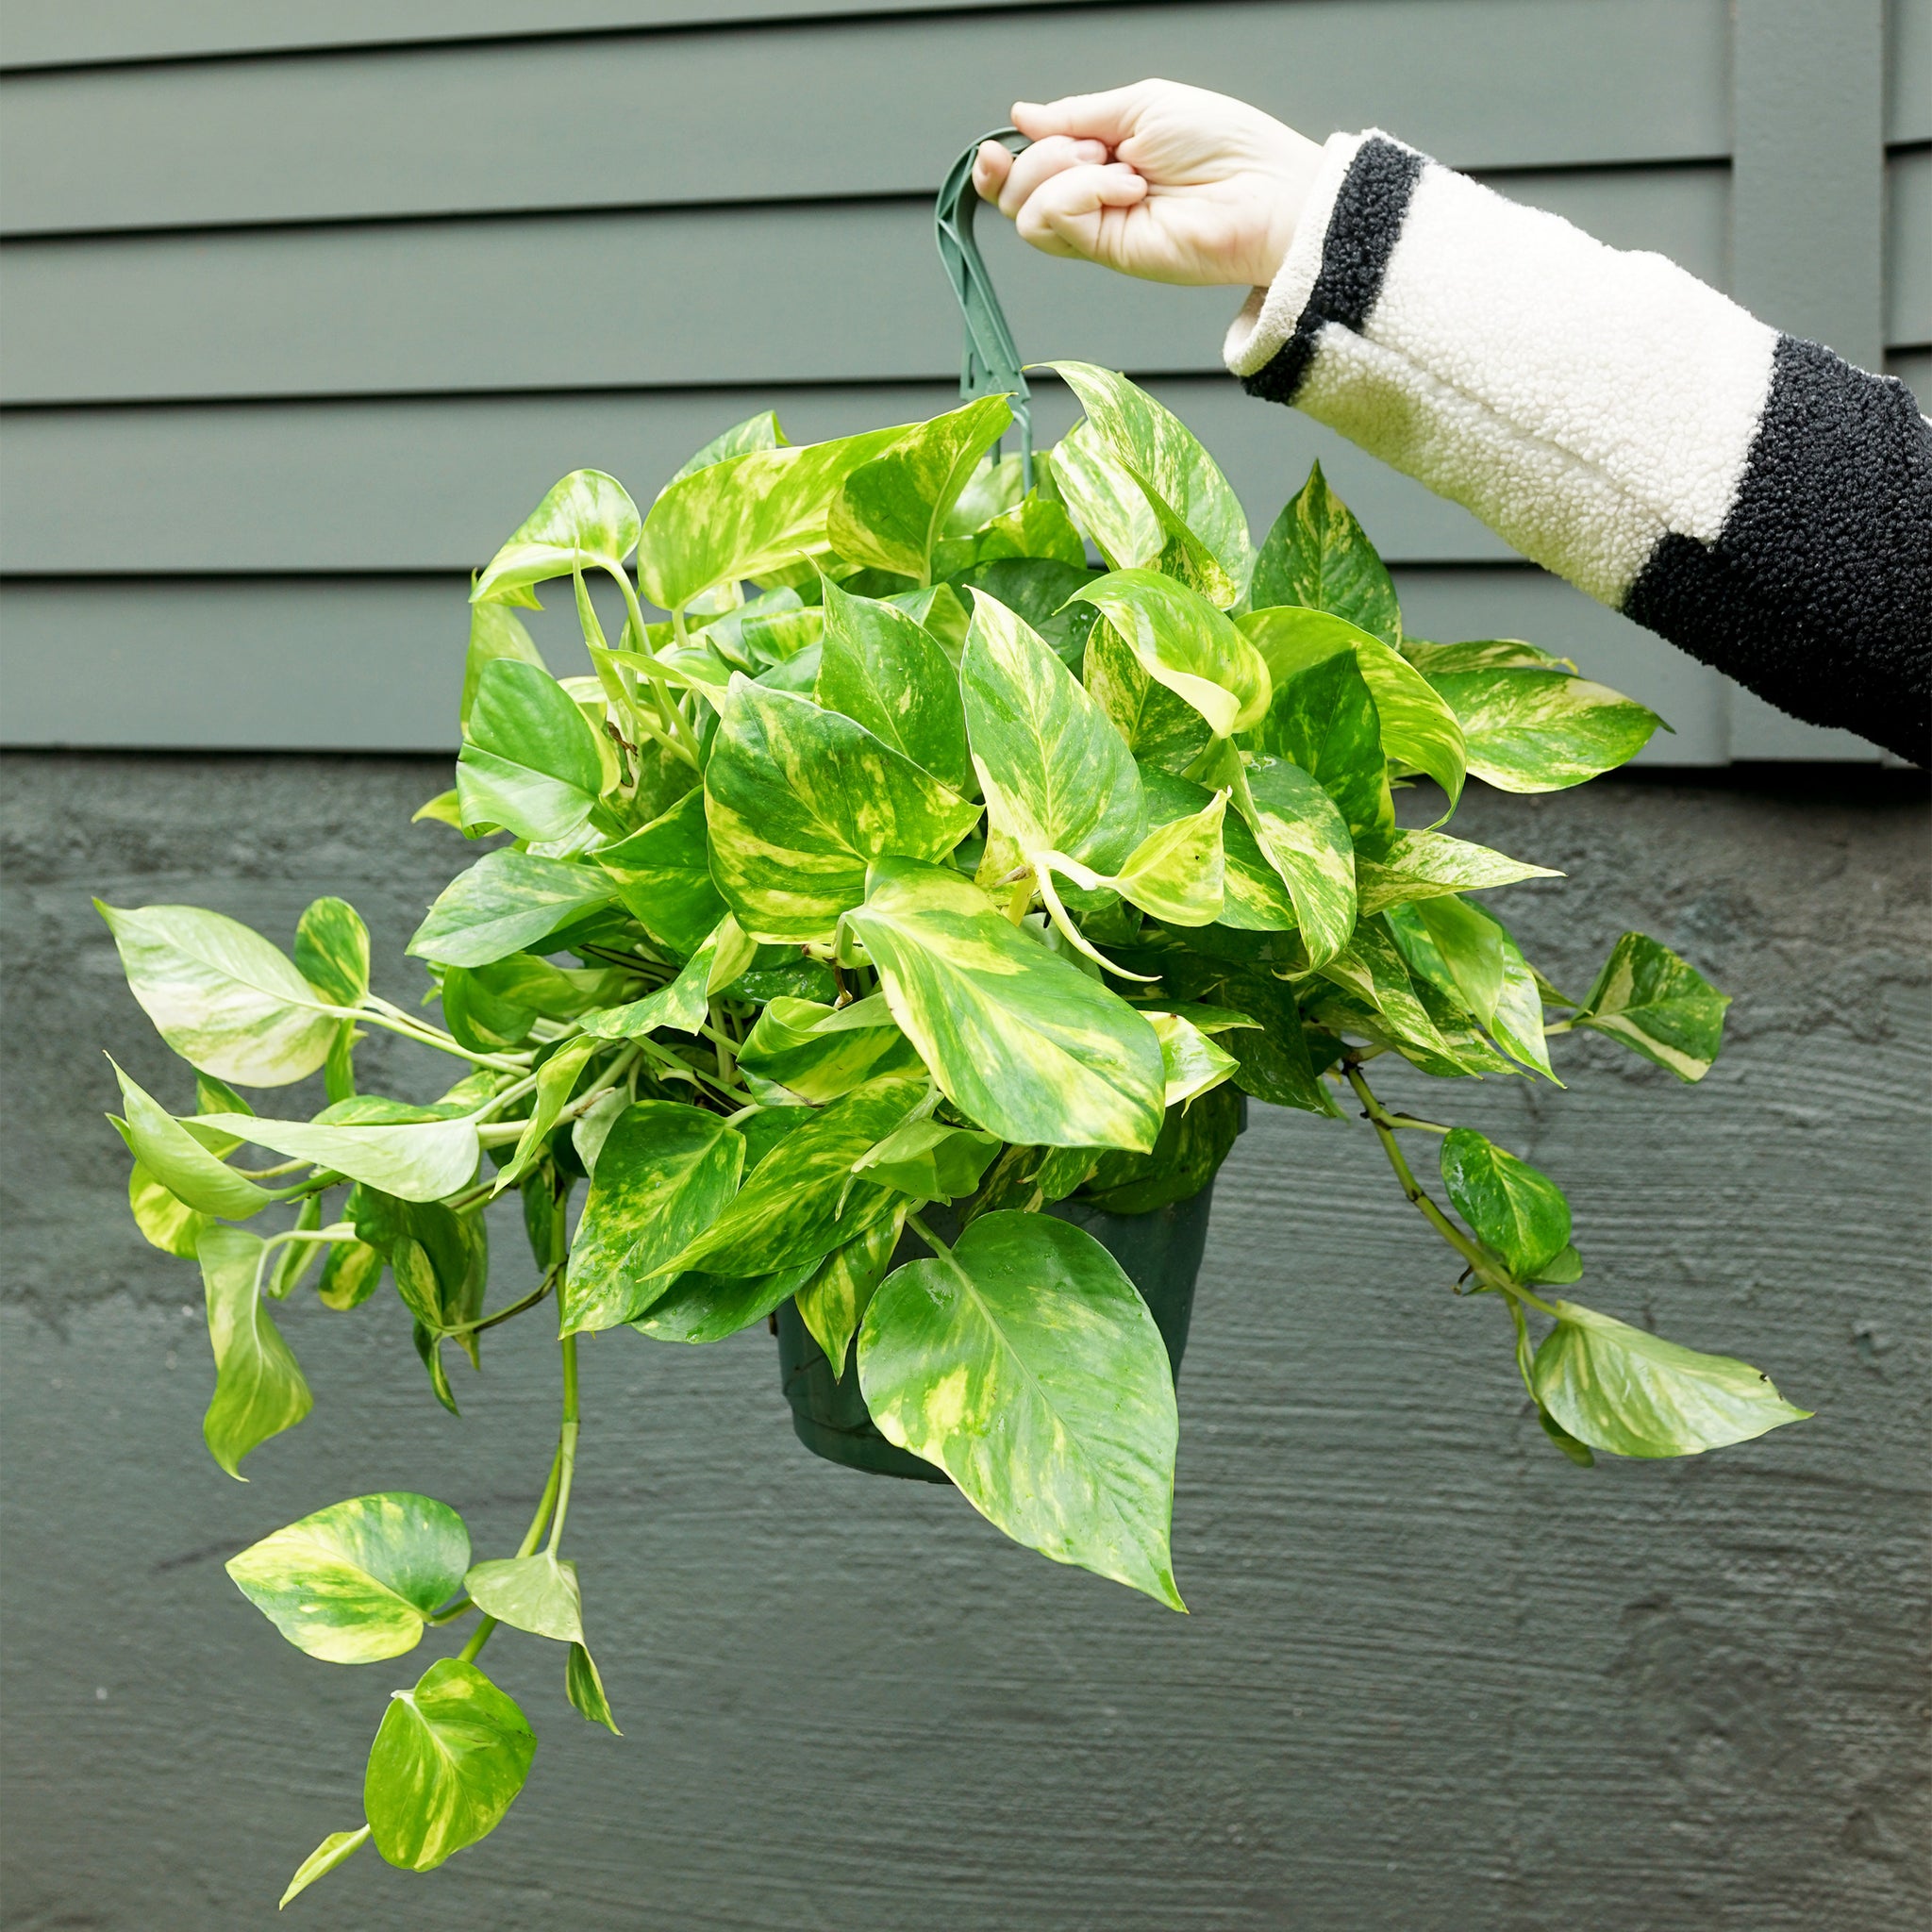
803, 293
833, 107
1909, 70
436, 483
376, 662
1908, 237
57, 33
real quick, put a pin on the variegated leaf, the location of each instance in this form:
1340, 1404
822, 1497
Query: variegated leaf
1539, 730
334, 1850
792, 1053
539, 1594
180, 1162
1657, 1004
507, 903
886, 671
1186, 645
529, 763
891, 509
1301, 833
419, 1160
586, 522
1425, 865
259, 1390
663, 877
833, 1303
1317, 555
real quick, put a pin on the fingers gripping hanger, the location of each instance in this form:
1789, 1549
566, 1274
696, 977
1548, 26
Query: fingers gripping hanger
992, 363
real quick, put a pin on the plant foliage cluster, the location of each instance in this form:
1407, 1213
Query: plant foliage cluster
912, 859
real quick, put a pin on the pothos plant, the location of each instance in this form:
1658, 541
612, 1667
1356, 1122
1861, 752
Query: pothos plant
912, 859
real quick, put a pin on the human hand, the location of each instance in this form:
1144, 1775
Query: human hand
1171, 183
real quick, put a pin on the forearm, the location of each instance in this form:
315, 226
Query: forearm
1749, 497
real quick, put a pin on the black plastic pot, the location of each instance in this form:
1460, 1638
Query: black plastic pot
1160, 1252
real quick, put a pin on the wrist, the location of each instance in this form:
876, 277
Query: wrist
1291, 180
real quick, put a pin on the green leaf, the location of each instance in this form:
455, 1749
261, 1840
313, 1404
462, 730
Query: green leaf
587, 522
448, 1759
1200, 513
1318, 555
1026, 1366
1021, 1041
1538, 730
1058, 776
350, 1275
1324, 719
1163, 730
556, 1080
539, 1594
179, 1162
996, 486
791, 1052
833, 1303
421, 1161
1633, 1394
260, 1389
1185, 643
495, 631
1036, 528
755, 432
802, 1200
1657, 1004
1037, 589
745, 515
1373, 968
585, 1689
441, 1259
332, 952
701, 1307
507, 903
1179, 872
1105, 500
164, 1220
1301, 832
331, 1852
885, 671
478, 1018
1483, 654
1192, 1062
890, 511
1518, 1212
359, 1582
662, 1177
928, 1160
530, 761
1450, 942
221, 995
1425, 865
1253, 896
1193, 1145
799, 801
682, 1005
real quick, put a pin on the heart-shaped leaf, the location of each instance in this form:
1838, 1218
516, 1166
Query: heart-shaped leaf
530, 761
881, 668
260, 1389
1186, 645
586, 522
1317, 555
891, 509
1514, 1209
507, 903
539, 1594
1657, 1004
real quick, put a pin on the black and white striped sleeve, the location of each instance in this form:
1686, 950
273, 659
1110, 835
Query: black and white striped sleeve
1750, 497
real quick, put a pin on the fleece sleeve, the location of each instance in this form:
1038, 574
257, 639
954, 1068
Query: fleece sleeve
1750, 497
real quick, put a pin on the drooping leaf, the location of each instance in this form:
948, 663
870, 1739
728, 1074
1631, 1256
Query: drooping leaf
556, 1080
802, 1201
586, 522
1425, 865
351, 1274
357, 1581
1324, 720
928, 1160
833, 1303
681, 1006
790, 1052
664, 1173
1179, 872
449, 1759
1163, 730
884, 670
1017, 1039
746, 514
421, 1161
584, 1686
755, 432
164, 1220
1372, 967
1633, 1394
1198, 511
180, 1162
1058, 776
507, 903
1536, 731
478, 1018
259, 1390
337, 1847
1191, 1061
221, 995
530, 761
1185, 643
1513, 1209
799, 801
332, 951
538, 1593
701, 1307
1301, 834
1026, 1366
1449, 942
1657, 1004
1317, 555
891, 509
1105, 500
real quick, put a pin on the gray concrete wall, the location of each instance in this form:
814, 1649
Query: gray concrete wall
1434, 1678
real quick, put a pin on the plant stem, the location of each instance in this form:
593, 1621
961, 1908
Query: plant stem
480, 1634
668, 714
566, 1440
381, 1014
926, 1235
505, 1314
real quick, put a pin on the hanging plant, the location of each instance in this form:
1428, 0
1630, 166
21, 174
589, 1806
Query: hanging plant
945, 878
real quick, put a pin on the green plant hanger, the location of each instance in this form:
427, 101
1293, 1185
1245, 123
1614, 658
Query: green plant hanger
990, 366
